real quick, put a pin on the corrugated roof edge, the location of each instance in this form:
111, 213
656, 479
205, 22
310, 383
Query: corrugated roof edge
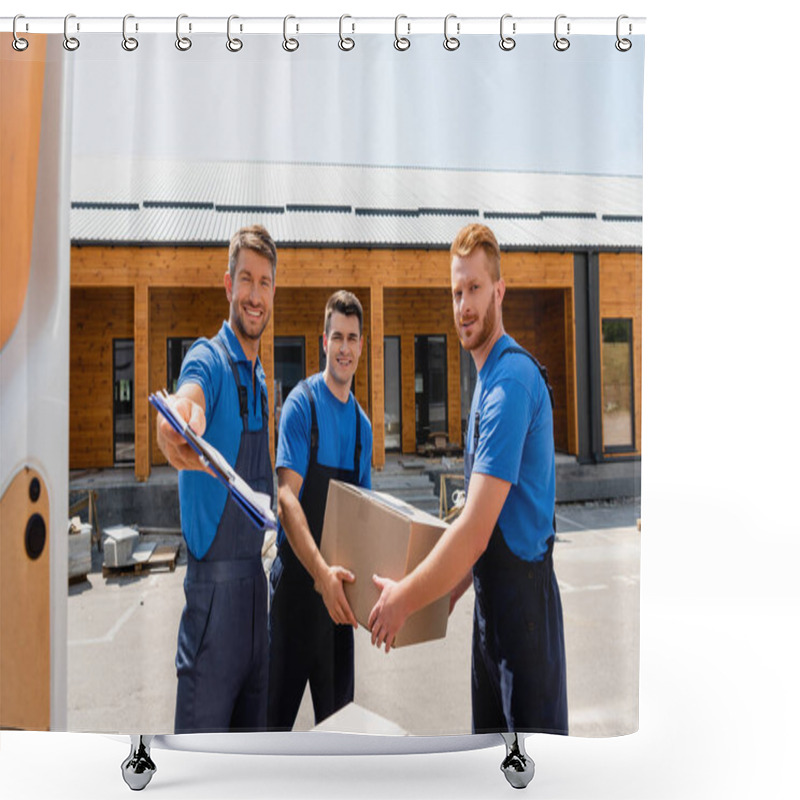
362, 246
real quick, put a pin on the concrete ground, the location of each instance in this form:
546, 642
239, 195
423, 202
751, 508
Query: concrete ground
122, 634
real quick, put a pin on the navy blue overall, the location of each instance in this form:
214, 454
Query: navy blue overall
305, 644
519, 677
222, 657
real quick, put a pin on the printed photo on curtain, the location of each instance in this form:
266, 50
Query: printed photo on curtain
397, 289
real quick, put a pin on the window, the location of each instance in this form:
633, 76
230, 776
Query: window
177, 349
617, 366
290, 369
430, 386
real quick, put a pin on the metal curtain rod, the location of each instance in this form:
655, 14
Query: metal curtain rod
458, 26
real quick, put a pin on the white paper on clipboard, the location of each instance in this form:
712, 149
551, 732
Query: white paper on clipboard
256, 505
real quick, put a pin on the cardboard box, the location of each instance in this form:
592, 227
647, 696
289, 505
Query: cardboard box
372, 533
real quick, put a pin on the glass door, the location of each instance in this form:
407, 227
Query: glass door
392, 409
430, 386
123, 401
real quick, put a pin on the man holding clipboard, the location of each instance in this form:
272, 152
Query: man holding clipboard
222, 641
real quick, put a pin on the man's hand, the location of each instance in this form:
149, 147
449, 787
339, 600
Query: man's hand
177, 450
329, 585
388, 614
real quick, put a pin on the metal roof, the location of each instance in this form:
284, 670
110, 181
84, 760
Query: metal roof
170, 201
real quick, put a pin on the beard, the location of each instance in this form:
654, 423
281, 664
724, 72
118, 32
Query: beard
249, 329
480, 337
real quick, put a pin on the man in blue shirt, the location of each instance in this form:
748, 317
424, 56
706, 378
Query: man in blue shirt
222, 640
502, 541
324, 435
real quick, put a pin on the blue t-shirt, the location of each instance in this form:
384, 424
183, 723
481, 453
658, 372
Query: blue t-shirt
515, 444
203, 497
337, 433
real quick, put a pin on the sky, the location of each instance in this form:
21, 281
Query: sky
530, 109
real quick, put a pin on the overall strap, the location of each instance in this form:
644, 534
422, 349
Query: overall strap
241, 390
542, 369
264, 408
542, 372
314, 427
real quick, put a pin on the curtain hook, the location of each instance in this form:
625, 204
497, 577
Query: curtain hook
183, 43
128, 42
346, 43
234, 45
71, 43
561, 43
18, 43
507, 42
401, 43
290, 45
623, 45
451, 42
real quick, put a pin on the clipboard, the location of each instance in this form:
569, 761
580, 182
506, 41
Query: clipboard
255, 505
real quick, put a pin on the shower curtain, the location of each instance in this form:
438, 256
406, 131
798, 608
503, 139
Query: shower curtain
125, 174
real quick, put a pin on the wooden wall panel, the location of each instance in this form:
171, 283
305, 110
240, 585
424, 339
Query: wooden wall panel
408, 428
416, 294
267, 355
621, 296
376, 376
429, 312
304, 267
179, 313
535, 318
141, 383
97, 317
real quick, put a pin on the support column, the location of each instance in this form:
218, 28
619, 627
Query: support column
453, 389
141, 379
376, 376
595, 358
267, 356
409, 400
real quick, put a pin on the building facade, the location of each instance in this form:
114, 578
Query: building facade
146, 280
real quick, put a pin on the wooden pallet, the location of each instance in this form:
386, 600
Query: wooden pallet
165, 556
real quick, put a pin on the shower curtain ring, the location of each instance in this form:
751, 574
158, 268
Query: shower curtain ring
18, 43
183, 43
561, 43
234, 45
400, 42
451, 42
128, 42
71, 43
623, 45
290, 45
346, 43
507, 42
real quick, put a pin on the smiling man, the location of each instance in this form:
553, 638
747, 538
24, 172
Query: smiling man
502, 542
222, 640
324, 435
